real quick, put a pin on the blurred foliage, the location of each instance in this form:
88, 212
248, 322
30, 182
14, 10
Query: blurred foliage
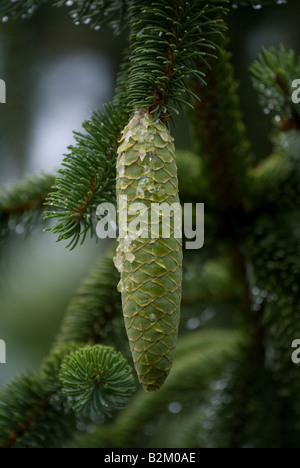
228, 388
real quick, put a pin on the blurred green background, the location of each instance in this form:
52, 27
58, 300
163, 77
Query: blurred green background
56, 73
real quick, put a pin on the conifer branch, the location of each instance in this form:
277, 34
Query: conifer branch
162, 68
51, 366
276, 274
36, 410
87, 178
21, 8
191, 429
273, 75
274, 185
29, 402
199, 360
193, 185
96, 13
258, 4
249, 392
221, 137
29, 417
93, 312
166, 40
22, 203
278, 177
213, 284
96, 380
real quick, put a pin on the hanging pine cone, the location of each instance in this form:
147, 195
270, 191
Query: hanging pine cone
151, 269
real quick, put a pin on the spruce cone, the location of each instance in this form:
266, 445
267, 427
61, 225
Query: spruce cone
151, 268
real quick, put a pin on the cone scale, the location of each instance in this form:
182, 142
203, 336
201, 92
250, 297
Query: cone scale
150, 268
